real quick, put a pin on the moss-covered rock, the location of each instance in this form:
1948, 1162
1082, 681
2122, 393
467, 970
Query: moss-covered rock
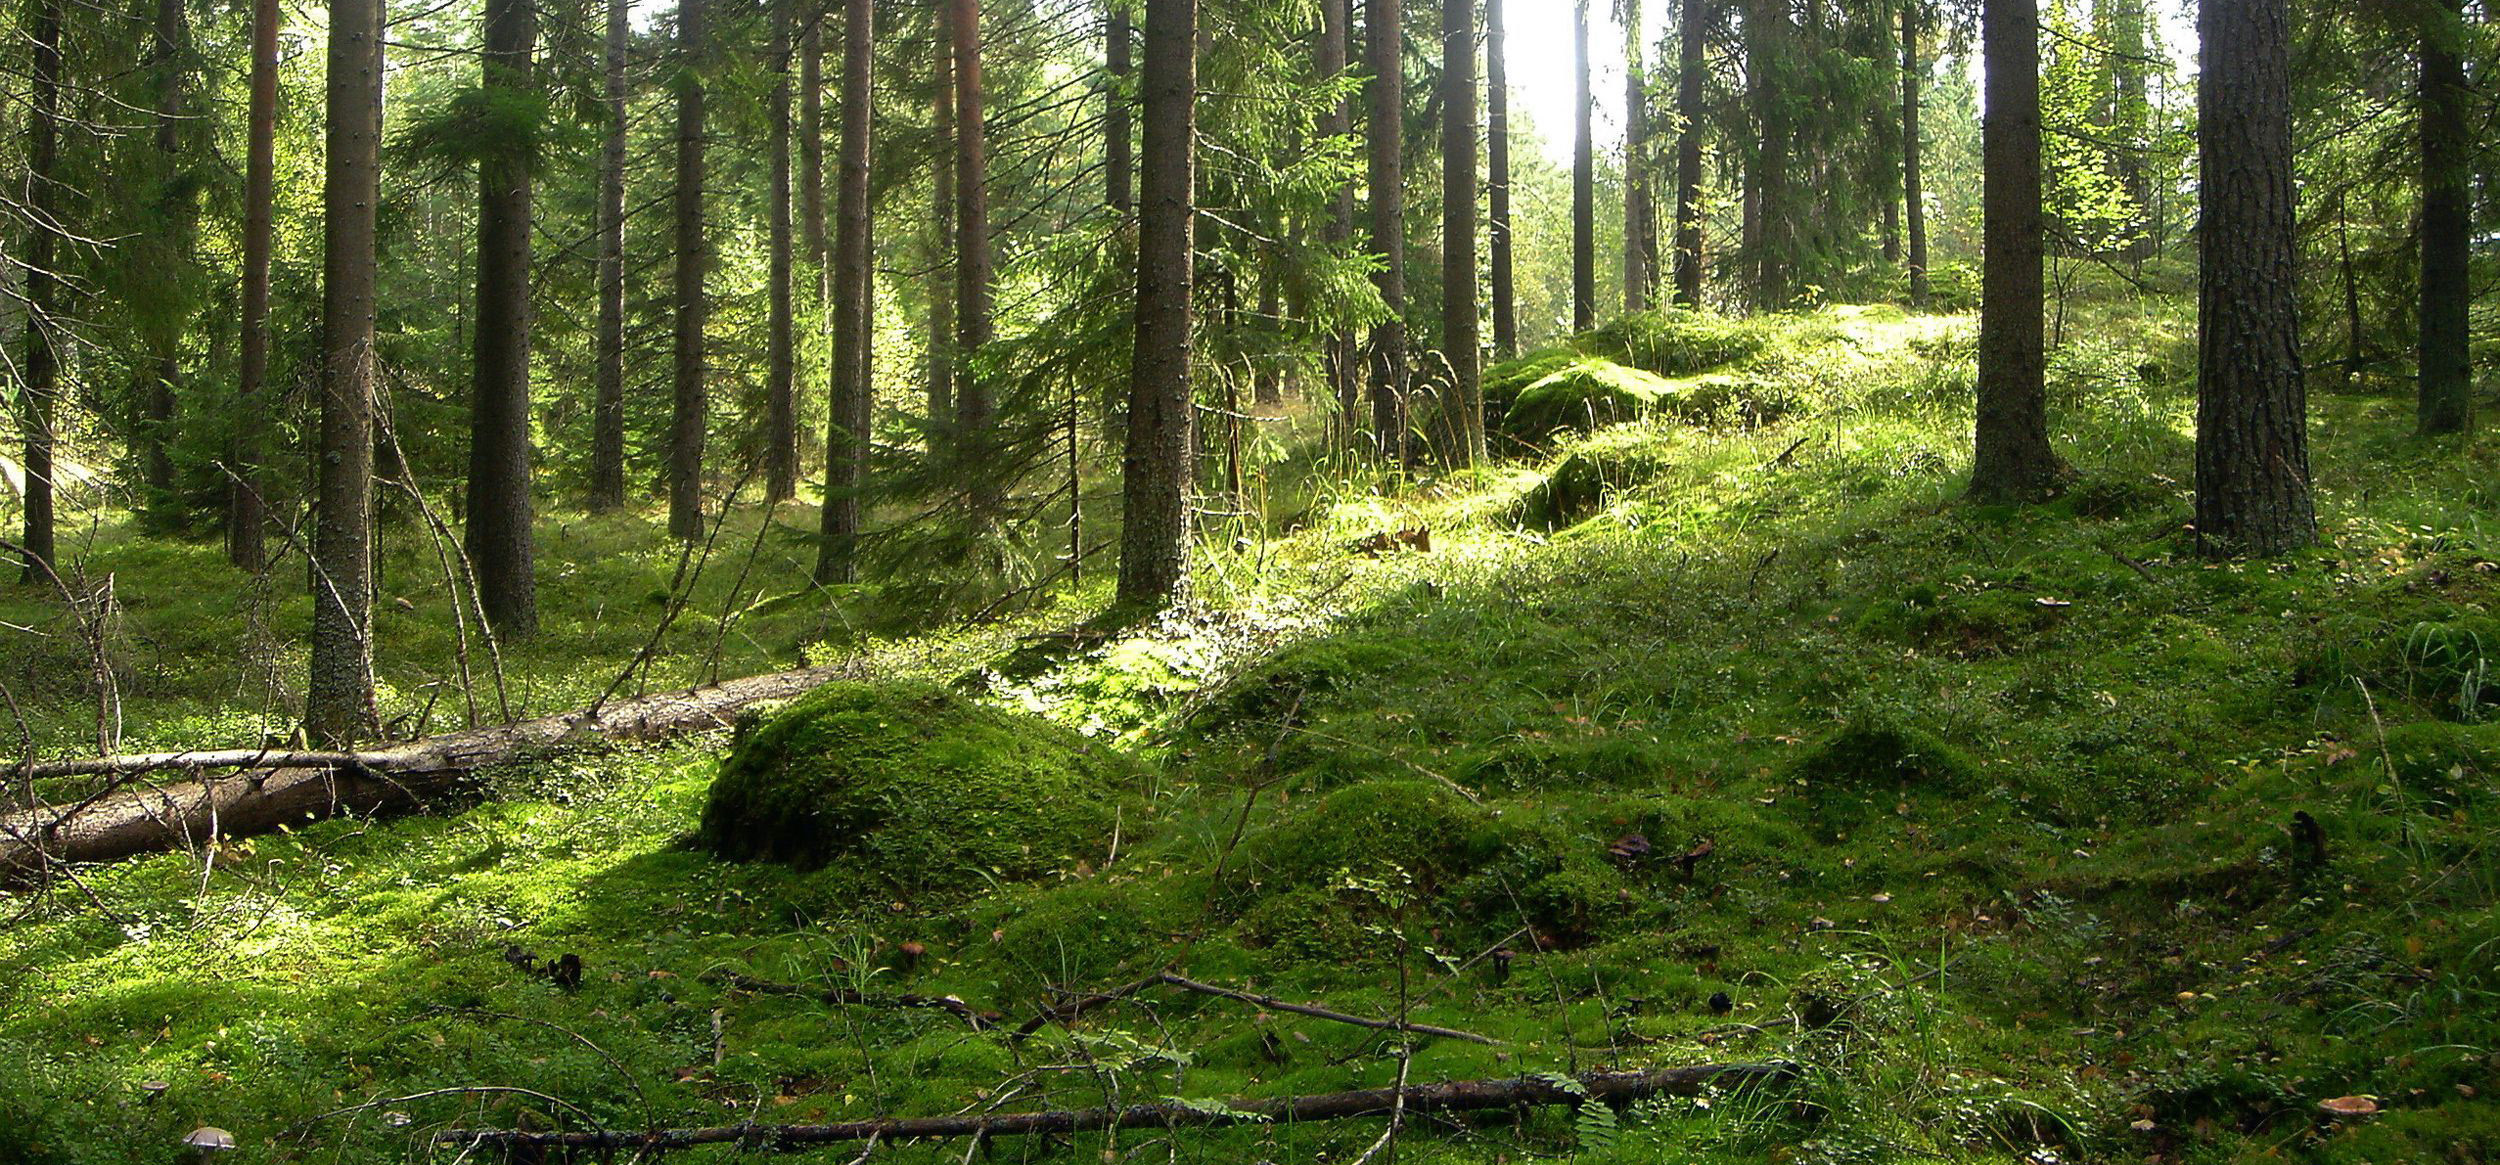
925, 788
1582, 396
1505, 381
1676, 342
1579, 486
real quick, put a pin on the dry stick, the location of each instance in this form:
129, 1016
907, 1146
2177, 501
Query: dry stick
681, 591
441, 532
1615, 1088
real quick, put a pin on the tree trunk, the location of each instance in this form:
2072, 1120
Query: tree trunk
338, 707
975, 409
2446, 402
1690, 73
1497, 166
42, 374
781, 364
1118, 164
1462, 405
1766, 41
941, 343
2252, 414
854, 396
498, 536
689, 418
1156, 470
1345, 377
1583, 179
1913, 188
2012, 460
813, 237
1384, 47
168, 52
245, 514
268, 791
607, 410
1639, 266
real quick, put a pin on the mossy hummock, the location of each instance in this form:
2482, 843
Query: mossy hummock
919, 785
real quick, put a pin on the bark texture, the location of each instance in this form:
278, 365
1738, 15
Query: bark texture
690, 413
1384, 48
1691, 72
1497, 179
975, 409
1913, 179
498, 535
42, 373
2446, 400
607, 408
1583, 179
781, 363
1156, 469
854, 397
182, 806
2011, 458
2252, 408
338, 707
1345, 374
1461, 430
246, 516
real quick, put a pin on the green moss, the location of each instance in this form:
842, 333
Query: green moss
1505, 381
1582, 396
1675, 342
1875, 755
918, 785
1409, 828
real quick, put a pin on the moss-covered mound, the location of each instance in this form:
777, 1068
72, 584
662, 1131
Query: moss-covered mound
1879, 755
1505, 381
1583, 395
919, 785
1675, 342
1413, 829
1579, 486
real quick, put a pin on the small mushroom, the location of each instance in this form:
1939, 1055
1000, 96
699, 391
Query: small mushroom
152, 1089
2347, 1108
911, 952
206, 1141
1501, 964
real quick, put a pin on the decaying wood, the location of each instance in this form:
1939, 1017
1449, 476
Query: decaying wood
1616, 1088
260, 790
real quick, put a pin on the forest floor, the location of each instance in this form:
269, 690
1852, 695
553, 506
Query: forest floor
1983, 818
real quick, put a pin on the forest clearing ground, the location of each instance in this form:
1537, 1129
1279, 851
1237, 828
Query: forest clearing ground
1998, 809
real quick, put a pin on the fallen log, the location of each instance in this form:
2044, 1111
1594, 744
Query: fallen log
265, 789
1614, 1088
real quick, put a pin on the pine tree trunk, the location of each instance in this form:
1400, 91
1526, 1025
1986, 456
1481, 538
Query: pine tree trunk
2012, 460
1690, 67
1766, 39
1119, 165
1156, 470
1913, 188
607, 410
2252, 417
941, 371
1497, 166
43, 363
498, 537
854, 398
1639, 265
1345, 376
975, 409
781, 365
338, 706
2446, 402
689, 418
245, 514
1384, 48
1462, 406
1583, 179
168, 51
